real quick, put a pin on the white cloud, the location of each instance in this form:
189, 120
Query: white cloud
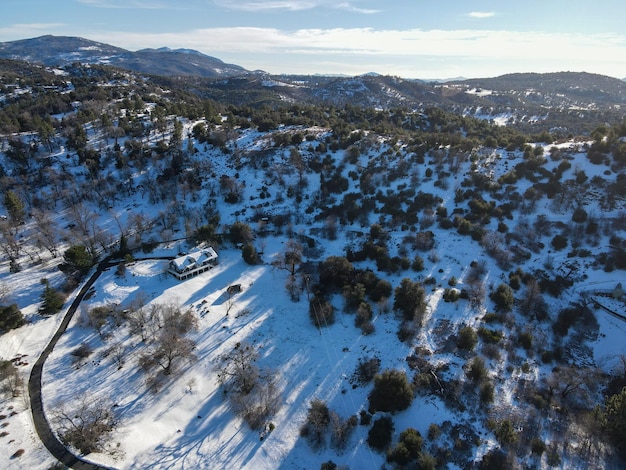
27, 30
350, 7
126, 4
481, 14
358, 50
291, 5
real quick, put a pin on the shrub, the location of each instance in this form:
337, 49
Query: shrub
434, 431
366, 370
408, 447
316, 425
392, 392
525, 340
559, 242
451, 295
83, 351
476, 369
321, 312
379, 436
11, 317
249, 254
505, 433
467, 338
490, 336
537, 446
503, 298
486, 393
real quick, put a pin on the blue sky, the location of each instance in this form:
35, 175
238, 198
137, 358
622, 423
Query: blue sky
409, 38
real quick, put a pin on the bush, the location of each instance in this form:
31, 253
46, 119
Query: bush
505, 433
537, 446
490, 336
451, 295
467, 338
366, 370
476, 369
434, 431
321, 312
379, 436
392, 392
503, 298
559, 242
525, 340
249, 254
11, 317
316, 425
408, 447
486, 393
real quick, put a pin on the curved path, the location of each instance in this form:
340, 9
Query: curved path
47, 436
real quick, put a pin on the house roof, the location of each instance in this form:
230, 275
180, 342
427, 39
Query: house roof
197, 257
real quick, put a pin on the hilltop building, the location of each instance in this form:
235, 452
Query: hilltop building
193, 263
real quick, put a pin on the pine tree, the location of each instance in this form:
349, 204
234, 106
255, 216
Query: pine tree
14, 206
51, 299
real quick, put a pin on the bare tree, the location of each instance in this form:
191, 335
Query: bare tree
46, 232
237, 370
253, 393
171, 345
86, 425
11, 380
290, 259
5, 293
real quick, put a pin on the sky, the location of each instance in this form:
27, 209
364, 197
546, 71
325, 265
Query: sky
428, 39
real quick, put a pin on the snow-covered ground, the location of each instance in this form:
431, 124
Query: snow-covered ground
188, 423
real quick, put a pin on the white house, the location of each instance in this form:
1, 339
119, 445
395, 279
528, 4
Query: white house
193, 263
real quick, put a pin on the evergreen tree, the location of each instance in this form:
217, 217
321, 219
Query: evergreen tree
51, 299
11, 317
14, 207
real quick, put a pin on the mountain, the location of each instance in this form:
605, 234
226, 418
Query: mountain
64, 50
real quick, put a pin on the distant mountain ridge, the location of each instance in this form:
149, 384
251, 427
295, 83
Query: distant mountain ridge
64, 50
561, 100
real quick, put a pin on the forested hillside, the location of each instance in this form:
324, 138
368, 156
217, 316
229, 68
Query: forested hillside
403, 285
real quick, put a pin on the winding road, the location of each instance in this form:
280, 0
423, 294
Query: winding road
47, 436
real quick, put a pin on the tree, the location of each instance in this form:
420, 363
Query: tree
77, 260
15, 207
503, 297
408, 448
46, 232
379, 436
10, 379
11, 317
476, 369
467, 338
237, 370
51, 299
252, 392
240, 232
335, 272
87, 425
249, 254
171, 345
321, 311
613, 419
392, 391
410, 300
316, 424
290, 259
